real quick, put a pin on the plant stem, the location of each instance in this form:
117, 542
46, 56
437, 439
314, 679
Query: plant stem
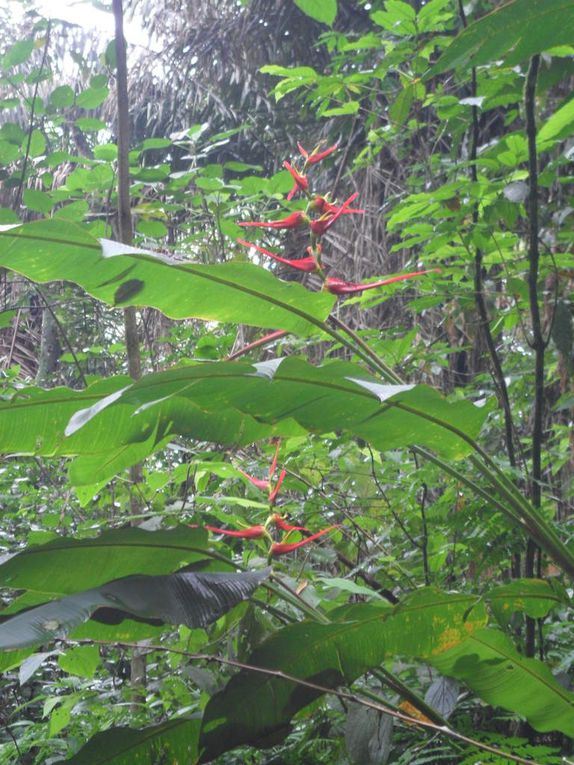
375, 360
538, 344
138, 662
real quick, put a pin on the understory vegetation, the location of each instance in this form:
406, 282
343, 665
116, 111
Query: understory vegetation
286, 383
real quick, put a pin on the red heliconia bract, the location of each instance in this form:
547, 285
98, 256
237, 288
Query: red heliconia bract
321, 205
265, 484
322, 224
259, 483
307, 264
294, 220
316, 156
301, 181
253, 532
282, 548
341, 287
275, 491
282, 524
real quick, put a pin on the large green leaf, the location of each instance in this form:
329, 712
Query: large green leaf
324, 11
557, 128
64, 566
513, 32
534, 597
256, 709
230, 403
174, 741
489, 664
53, 250
337, 396
193, 599
33, 422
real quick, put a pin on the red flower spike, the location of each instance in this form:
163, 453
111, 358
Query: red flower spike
319, 227
316, 156
341, 287
307, 265
282, 548
301, 182
253, 532
273, 494
295, 220
284, 526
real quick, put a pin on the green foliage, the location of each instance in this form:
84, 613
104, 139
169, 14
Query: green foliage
393, 435
324, 11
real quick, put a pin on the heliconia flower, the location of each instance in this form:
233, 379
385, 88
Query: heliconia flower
316, 156
341, 287
301, 181
265, 484
321, 205
318, 227
284, 526
282, 548
253, 532
295, 220
307, 265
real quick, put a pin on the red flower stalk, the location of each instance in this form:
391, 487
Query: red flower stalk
316, 156
301, 182
284, 526
318, 227
307, 265
253, 532
294, 220
282, 548
341, 287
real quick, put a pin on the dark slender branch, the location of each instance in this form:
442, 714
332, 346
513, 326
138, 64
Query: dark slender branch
537, 341
63, 334
478, 277
20, 191
396, 517
369, 580
425, 533
124, 211
341, 694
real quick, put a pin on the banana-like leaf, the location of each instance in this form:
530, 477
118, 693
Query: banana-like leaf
534, 597
112, 425
256, 709
488, 662
65, 566
513, 32
444, 629
193, 599
336, 396
174, 741
52, 250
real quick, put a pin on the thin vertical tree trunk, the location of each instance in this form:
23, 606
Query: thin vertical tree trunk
138, 665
